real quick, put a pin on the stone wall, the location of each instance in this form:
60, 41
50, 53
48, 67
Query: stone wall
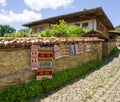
79, 59
15, 64
107, 48
111, 46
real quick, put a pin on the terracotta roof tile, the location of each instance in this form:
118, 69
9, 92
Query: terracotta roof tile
27, 42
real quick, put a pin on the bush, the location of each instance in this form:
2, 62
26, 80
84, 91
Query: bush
48, 33
34, 89
10, 35
58, 30
114, 50
63, 30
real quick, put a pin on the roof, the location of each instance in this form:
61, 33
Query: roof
95, 13
114, 32
96, 33
27, 42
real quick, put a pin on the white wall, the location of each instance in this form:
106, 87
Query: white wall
92, 25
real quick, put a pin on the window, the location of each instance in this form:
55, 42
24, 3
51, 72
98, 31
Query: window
85, 25
77, 25
41, 28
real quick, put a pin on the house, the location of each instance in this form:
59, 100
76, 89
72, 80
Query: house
94, 19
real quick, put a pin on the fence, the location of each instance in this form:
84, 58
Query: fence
15, 57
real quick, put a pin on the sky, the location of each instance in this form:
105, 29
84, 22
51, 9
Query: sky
18, 12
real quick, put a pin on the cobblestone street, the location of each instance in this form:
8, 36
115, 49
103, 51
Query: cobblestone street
102, 85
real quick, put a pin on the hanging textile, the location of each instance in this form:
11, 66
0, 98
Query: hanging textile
45, 64
67, 49
81, 47
57, 53
62, 49
72, 49
34, 57
43, 74
77, 50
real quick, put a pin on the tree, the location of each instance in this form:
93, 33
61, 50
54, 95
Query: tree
19, 33
6, 29
63, 30
117, 28
24, 30
60, 29
22, 33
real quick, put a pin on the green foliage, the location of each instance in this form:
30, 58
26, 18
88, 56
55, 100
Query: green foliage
63, 30
59, 30
6, 29
26, 92
48, 33
114, 50
20, 33
34, 35
75, 31
10, 35
118, 37
117, 28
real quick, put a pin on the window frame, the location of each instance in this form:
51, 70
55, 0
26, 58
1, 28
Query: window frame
42, 28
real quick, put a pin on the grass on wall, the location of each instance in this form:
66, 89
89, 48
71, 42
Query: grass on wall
114, 50
37, 89
24, 92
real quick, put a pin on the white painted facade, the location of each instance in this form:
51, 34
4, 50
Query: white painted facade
92, 24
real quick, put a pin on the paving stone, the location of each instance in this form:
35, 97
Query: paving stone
117, 99
102, 85
47, 100
90, 100
96, 96
100, 101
